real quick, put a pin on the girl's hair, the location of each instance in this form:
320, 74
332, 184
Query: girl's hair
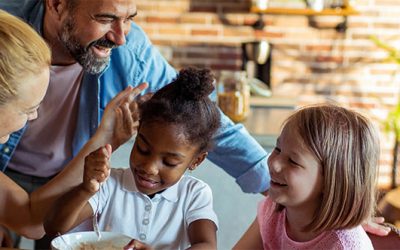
347, 146
22, 52
185, 102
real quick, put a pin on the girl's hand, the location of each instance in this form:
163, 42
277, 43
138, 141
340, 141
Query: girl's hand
137, 245
97, 168
374, 226
121, 117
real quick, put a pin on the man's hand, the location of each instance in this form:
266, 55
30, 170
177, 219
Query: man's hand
121, 116
97, 168
374, 226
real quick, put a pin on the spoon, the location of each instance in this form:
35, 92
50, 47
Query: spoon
95, 222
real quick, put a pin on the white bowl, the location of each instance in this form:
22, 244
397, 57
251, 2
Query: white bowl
89, 240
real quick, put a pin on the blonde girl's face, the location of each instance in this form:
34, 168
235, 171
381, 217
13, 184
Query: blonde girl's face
160, 156
296, 174
23, 108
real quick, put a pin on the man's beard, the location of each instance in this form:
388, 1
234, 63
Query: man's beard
84, 55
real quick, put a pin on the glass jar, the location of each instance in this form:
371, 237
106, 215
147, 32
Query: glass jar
260, 4
234, 95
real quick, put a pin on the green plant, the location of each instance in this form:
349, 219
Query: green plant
392, 121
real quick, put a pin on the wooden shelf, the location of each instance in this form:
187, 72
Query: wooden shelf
307, 12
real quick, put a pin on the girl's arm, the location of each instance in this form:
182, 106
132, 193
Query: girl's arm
119, 123
202, 234
73, 208
24, 214
251, 238
69, 211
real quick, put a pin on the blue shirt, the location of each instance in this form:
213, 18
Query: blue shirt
135, 62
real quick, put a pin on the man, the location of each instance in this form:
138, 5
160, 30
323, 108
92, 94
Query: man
98, 51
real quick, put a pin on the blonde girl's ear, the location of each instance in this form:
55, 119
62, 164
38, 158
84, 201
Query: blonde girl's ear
198, 160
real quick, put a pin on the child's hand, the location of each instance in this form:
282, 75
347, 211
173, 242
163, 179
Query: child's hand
374, 226
121, 117
97, 168
137, 245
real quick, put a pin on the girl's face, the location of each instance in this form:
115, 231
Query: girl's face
23, 108
160, 156
296, 174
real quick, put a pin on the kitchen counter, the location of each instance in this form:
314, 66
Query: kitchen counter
266, 117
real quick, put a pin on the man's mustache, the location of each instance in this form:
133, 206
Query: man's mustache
103, 42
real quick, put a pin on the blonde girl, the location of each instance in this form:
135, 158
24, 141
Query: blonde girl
323, 173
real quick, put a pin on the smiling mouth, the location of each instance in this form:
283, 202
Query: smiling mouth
279, 184
102, 51
146, 182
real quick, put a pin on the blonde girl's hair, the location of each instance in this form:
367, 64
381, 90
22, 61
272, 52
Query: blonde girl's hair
347, 146
22, 52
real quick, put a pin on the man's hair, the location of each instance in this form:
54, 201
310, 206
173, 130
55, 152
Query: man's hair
347, 146
185, 103
71, 4
22, 52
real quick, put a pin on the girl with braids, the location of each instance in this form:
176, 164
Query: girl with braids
154, 202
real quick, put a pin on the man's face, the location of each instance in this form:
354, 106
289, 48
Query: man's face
93, 27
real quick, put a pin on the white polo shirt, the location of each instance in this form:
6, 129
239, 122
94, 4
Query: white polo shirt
162, 221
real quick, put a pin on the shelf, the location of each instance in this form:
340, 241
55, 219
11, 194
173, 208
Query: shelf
307, 11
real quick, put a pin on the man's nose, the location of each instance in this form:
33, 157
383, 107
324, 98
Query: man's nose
118, 32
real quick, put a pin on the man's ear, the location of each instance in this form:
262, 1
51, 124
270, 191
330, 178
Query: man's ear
198, 160
56, 7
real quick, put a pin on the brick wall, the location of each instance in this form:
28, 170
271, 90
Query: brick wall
315, 64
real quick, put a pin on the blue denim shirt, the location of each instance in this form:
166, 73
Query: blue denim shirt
138, 61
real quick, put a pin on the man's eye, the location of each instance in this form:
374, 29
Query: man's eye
130, 19
277, 149
105, 20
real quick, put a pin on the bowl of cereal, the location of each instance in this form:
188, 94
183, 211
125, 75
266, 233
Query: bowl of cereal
89, 241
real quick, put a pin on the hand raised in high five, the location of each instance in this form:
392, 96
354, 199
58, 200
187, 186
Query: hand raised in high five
121, 117
97, 169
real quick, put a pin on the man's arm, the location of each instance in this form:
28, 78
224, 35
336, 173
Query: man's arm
235, 151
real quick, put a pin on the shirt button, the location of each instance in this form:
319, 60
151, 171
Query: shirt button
142, 236
145, 221
147, 207
6, 150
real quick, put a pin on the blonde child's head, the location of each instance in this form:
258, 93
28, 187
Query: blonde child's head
22, 52
347, 147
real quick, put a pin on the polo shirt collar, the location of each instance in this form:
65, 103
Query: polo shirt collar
129, 185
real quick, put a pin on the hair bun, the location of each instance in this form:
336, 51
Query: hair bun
195, 84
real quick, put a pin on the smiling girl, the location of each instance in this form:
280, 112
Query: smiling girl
153, 201
323, 172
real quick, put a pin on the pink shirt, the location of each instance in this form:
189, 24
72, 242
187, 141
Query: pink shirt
274, 235
46, 146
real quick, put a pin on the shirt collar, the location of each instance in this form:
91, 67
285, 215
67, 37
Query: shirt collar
128, 184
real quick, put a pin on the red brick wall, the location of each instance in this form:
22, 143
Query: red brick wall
314, 64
